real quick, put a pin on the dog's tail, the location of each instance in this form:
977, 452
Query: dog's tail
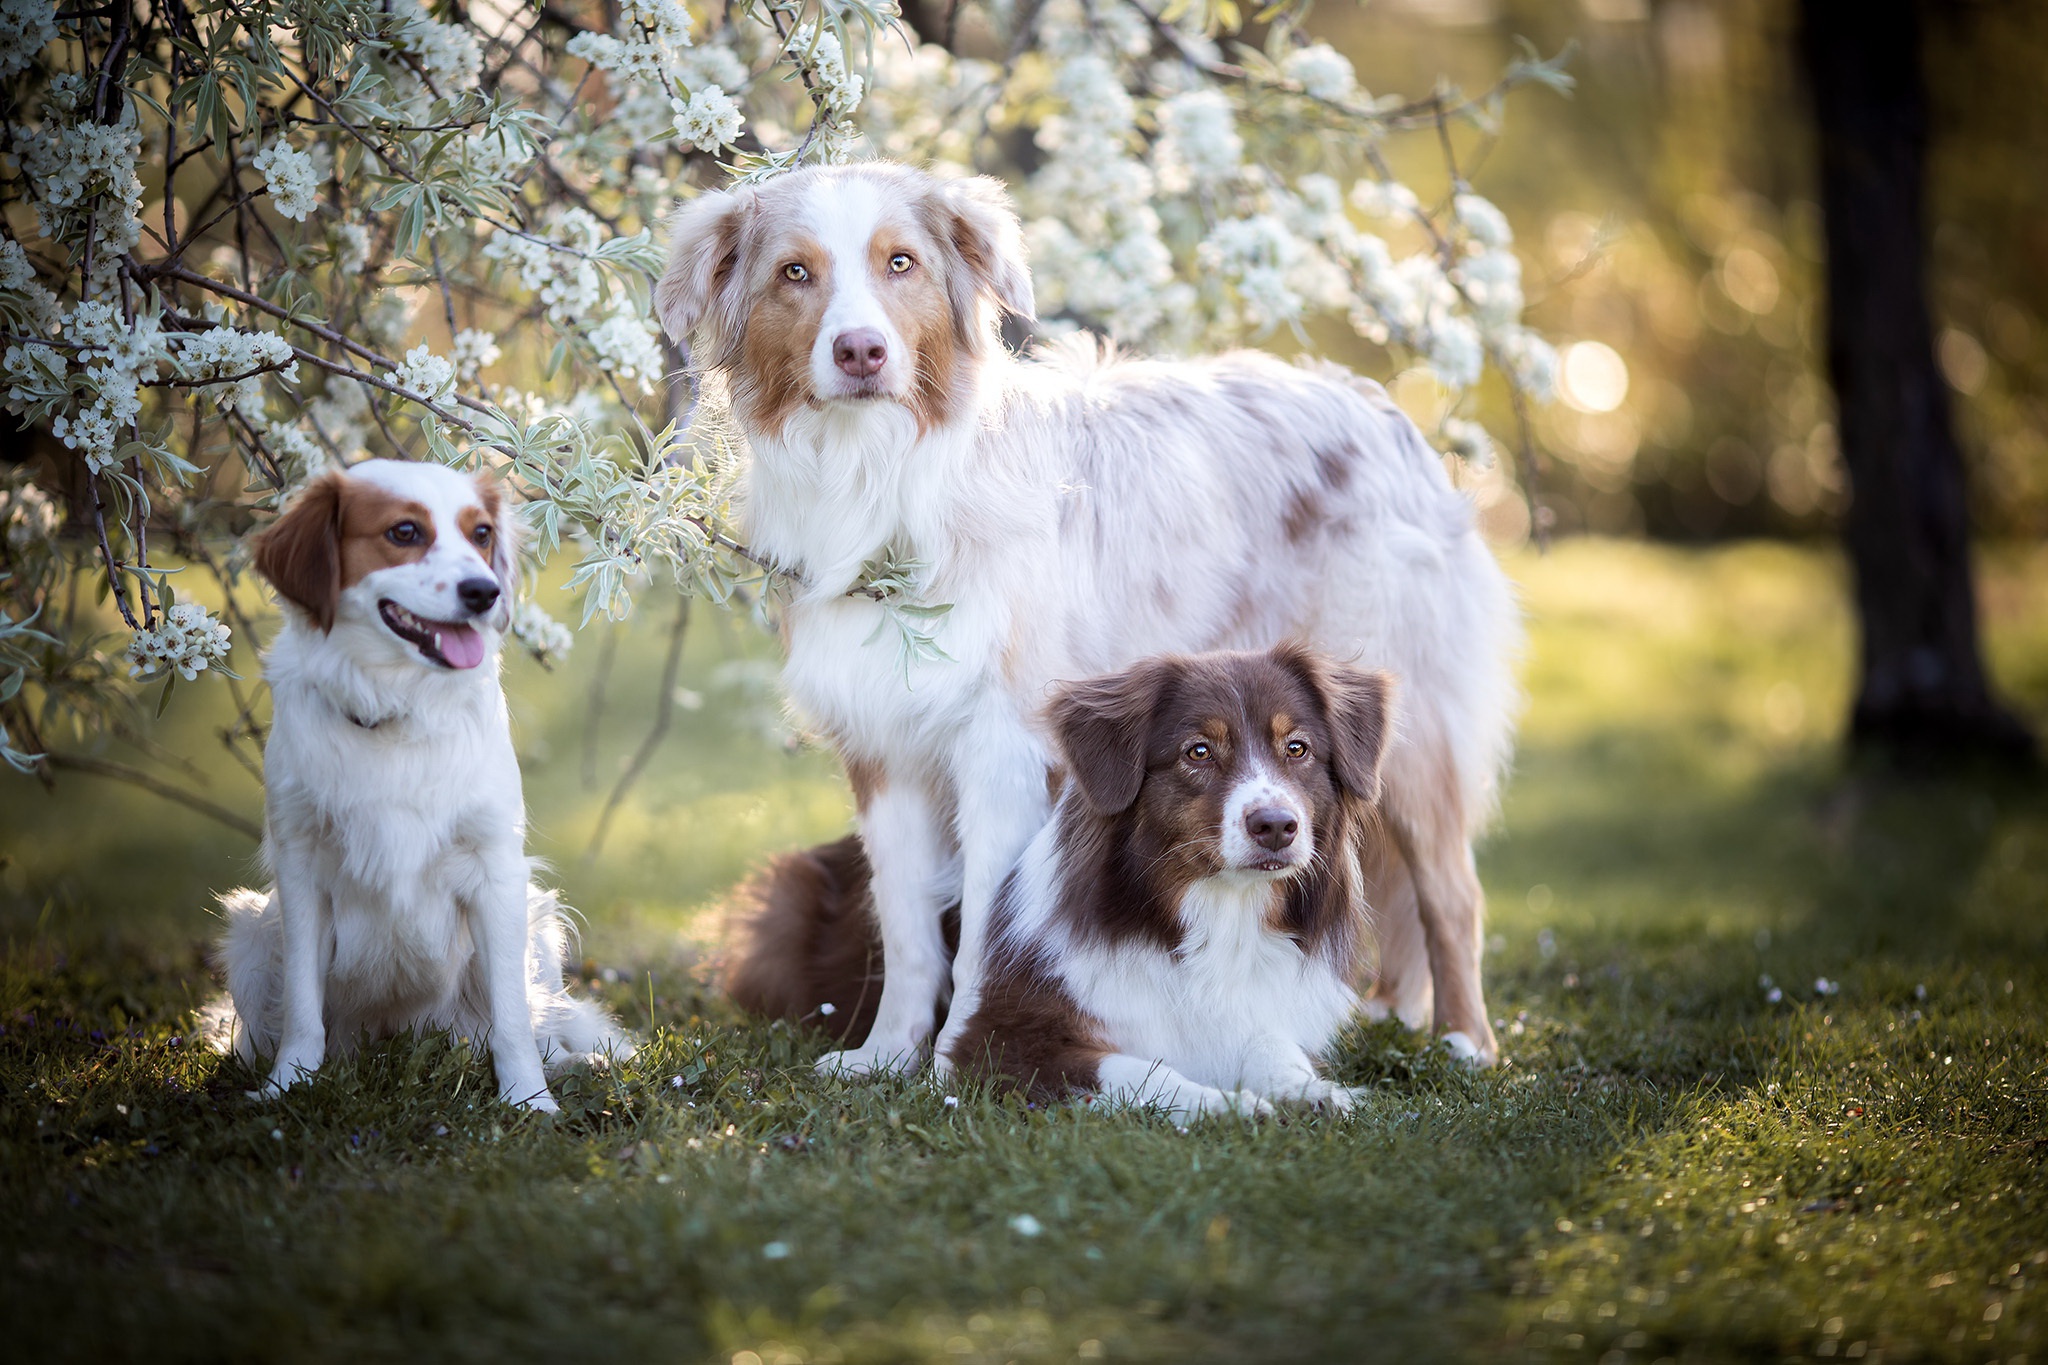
811, 951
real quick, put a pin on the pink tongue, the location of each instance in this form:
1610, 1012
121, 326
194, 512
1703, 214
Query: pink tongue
461, 646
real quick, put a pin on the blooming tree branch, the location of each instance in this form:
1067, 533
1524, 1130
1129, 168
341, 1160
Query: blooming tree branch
244, 240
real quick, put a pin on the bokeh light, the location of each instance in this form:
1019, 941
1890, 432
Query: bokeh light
1593, 377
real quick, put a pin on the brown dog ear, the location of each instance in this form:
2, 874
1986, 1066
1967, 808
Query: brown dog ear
706, 259
1103, 726
1359, 706
300, 552
979, 227
504, 542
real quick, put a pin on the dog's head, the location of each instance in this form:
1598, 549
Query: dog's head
1227, 764
416, 561
844, 285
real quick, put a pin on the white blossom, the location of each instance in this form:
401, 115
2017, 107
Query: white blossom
626, 346
223, 358
186, 639
351, 247
822, 55
1322, 71
1531, 363
545, 637
29, 517
26, 28
1456, 354
1487, 224
447, 54
473, 352
1384, 199
1469, 441
708, 120
293, 179
1198, 136
424, 373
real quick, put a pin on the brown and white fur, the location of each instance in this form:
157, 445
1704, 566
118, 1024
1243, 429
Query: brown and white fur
393, 818
1077, 514
1184, 931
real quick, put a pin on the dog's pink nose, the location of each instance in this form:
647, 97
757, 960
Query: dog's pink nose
860, 353
1271, 828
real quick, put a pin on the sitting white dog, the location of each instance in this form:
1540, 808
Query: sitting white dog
394, 822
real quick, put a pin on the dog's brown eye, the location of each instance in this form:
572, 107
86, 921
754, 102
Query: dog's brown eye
1199, 752
899, 263
1297, 748
405, 533
793, 271
481, 535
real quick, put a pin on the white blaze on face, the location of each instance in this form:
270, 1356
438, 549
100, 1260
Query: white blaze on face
845, 213
1264, 790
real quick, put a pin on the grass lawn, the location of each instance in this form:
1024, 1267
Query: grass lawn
1777, 1082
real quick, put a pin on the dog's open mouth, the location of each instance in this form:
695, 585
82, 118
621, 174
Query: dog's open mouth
447, 643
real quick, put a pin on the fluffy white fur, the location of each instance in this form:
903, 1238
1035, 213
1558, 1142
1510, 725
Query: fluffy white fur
394, 826
1231, 1023
1080, 513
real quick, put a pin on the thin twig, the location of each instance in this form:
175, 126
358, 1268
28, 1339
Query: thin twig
664, 712
121, 772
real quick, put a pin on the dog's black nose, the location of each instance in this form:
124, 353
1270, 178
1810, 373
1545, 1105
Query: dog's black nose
1271, 828
478, 594
859, 353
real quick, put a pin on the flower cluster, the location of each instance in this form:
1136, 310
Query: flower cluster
823, 58
1322, 71
424, 373
708, 120
233, 360
544, 637
26, 28
110, 360
292, 178
186, 640
473, 352
626, 346
447, 54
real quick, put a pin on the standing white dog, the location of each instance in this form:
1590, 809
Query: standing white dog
1077, 516
393, 817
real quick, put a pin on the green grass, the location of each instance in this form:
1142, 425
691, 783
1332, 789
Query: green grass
1672, 1165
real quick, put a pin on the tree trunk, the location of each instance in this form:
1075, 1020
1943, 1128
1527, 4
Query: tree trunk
1923, 695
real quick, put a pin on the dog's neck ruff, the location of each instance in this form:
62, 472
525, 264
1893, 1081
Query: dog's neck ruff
842, 483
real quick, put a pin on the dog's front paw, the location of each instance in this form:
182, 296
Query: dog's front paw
856, 1062
541, 1103
1474, 1054
1243, 1104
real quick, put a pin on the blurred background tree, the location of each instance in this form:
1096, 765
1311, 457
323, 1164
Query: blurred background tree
1679, 204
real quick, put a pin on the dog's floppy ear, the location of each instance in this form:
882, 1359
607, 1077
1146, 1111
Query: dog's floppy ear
504, 543
1103, 726
300, 552
706, 250
978, 224
1359, 706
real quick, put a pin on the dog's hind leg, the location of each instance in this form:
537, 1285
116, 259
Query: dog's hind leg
566, 1028
906, 847
1401, 986
1425, 812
